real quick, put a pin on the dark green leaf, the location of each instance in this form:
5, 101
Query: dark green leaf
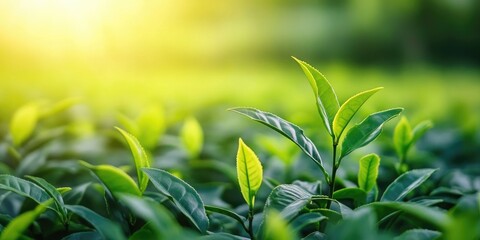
104, 226
24, 188
406, 183
306, 219
419, 234
366, 131
288, 199
53, 193
83, 236
222, 236
183, 195
226, 212
368, 172
358, 195
326, 99
287, 129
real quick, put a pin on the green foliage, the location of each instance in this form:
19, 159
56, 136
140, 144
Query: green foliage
277, 228
140, 158
406, 183
368, 172
23, 123
249, 172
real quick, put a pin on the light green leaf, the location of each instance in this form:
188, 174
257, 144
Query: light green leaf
358, 195
368, 172
348, 110
419, 234
64, 190
420, 130
53, 193
140, 158
287, 129
326, 99
151, 125
19, 224
23, 123
59, 106
402, 137
182, 194
366, 131
116, 180
277, 228
406, 183
192, 137
105, 227
249, 172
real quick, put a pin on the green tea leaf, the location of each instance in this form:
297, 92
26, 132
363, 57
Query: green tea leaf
116, 180
348, 110
326, 99
406, 183
368, 172
140, 158
306, 219
288, 199
419, 234
420, 130
83, 235
402, 137
249, 172
59, 106
105, 227
192, 137
24, 188
54, 194
23, 123
226, 212
366, 131
20, 223
361, 224
277, 228
358, 195
287, 129
182, 194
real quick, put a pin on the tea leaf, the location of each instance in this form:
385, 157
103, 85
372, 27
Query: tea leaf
368, 172
53, 193
23, 188
140, 158
182, 194
23, 123
105, 227
150, 125
406, 183
83, 235
420, 130
20, 223
116, 180
348, 110
192, 137
306, 219
288, 199
287, 129
59, 106
358, 195
402, 137
366, 131
226, 212
249, 172
419, 234
326, 99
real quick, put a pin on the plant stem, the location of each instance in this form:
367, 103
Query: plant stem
250, 224
334, 171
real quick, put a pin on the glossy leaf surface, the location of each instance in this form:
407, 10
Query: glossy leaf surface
406, 183
326, 99
287, 129
367, 130
105, 227
348, 110
182, 194
249, 172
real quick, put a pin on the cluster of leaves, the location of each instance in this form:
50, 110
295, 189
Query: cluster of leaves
74, 199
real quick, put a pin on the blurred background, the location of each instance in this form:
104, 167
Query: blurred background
200, 58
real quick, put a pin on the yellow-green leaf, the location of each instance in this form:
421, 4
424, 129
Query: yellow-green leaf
277, 228
402, 137
348, 110
59, 106
327, 102
368, 172
116, 180
23, 123
19, 224
150, 125
192, 137
140, 158
249, 171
